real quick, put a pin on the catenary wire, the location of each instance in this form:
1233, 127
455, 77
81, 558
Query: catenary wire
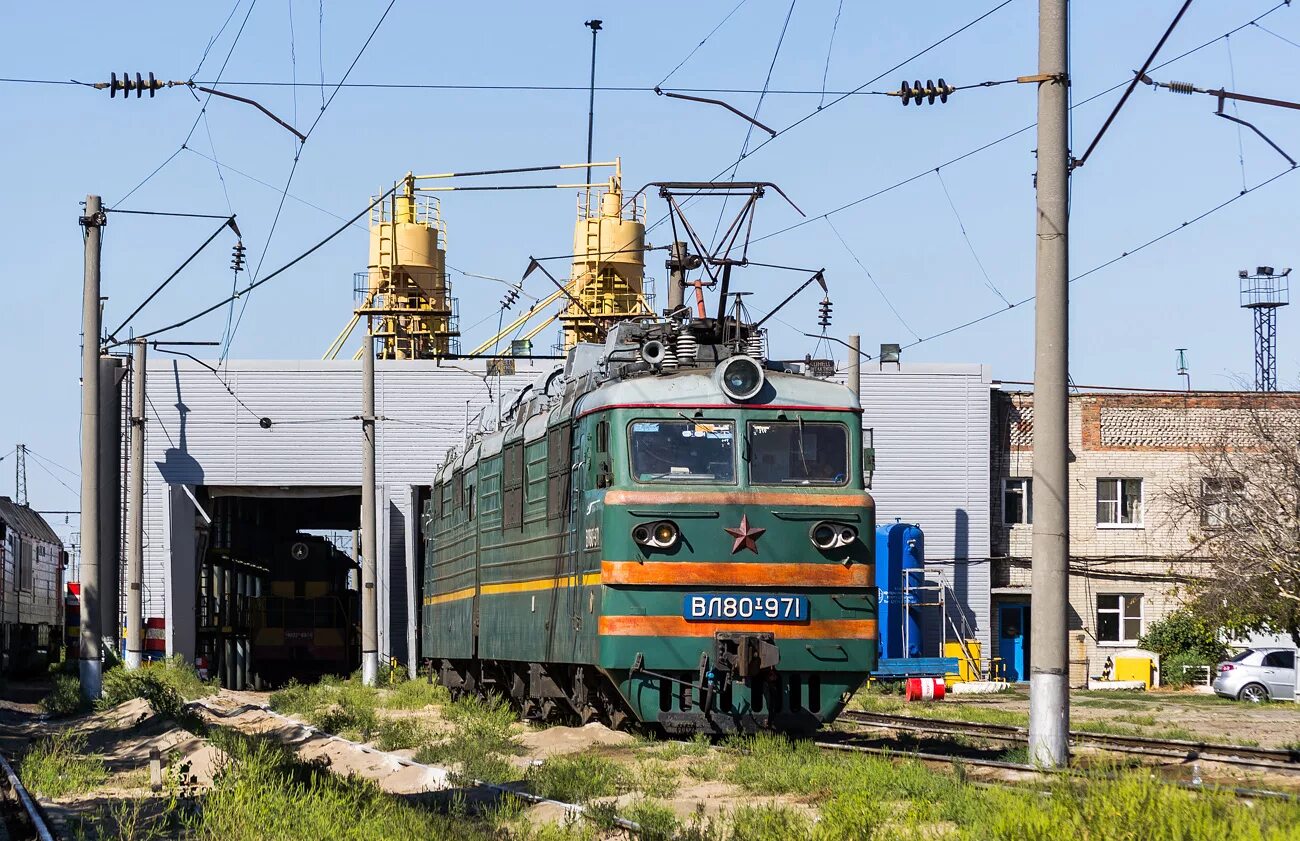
1232, 79
988, 281
830, 46
844, 96
749, 129
204, 108
867, 272
1122, 256
253, 285
921, 174
230, 339
689, 55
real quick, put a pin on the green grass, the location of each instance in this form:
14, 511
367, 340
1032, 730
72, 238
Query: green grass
864, 796
399, 733
482, 735
974, 712
655, 778
579, 778
415, 695
167, 685
265, 793
343, 707
58, 765
65, 697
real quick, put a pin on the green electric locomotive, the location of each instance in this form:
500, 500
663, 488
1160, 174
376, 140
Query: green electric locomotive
669, 531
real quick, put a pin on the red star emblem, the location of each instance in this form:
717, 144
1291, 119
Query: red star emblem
745, 537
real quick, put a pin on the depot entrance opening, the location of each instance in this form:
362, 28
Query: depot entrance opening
278, 584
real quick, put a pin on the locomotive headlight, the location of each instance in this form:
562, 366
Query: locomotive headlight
666, 534
740, 377
661, 535
823, 535
827, 535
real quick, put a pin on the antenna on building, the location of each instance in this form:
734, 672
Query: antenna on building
1265, 291
20, 474
1182, 366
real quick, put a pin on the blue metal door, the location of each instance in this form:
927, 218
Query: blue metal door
1014, 641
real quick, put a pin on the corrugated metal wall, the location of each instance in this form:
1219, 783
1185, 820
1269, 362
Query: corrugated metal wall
199, 433
931, 426
932, 438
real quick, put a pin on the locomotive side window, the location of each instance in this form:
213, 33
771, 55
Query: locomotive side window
682, 451
798, 453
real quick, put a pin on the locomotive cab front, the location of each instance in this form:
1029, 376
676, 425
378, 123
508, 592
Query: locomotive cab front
735, 552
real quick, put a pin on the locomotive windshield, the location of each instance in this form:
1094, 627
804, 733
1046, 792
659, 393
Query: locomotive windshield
798, 453
682, 450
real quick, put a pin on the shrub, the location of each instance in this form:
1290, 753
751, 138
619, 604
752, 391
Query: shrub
1182, 632
1173, 674
56, 766
65, 697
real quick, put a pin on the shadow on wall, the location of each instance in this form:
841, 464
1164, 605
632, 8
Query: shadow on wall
178, 467
959, 607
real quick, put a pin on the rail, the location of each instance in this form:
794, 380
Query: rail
29, 805
1281, 759
826, 744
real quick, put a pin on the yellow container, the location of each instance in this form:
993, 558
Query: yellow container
1134, 668
966, 671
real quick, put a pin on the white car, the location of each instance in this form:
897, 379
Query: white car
1258, 674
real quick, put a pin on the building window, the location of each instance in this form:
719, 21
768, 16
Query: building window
1017, 502
26, 574
1119, 502
1218, 497
1119, 618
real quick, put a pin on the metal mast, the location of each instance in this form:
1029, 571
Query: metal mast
1049, 697
1263, 292
20, 474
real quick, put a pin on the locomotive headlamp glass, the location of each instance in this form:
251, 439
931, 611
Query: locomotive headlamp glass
823, 535
641, 534
741, 376
665, 534
848, 534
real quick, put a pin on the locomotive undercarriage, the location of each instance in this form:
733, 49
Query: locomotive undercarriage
736, 689
543, 692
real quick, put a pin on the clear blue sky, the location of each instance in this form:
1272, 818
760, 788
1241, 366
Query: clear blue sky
1166, 160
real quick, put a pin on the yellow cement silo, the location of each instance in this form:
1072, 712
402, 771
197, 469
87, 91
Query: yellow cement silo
609, 264
408, 296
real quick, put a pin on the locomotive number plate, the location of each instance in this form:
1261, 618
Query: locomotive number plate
728, 607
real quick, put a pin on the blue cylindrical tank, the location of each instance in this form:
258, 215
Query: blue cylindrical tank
900, 551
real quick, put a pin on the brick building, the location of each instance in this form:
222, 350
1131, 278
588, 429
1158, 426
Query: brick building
1128, 561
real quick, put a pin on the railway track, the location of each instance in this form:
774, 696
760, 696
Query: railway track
1245, 755
25, 820
849, 747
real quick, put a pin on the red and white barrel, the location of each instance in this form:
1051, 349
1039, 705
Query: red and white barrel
925, 689
155, 638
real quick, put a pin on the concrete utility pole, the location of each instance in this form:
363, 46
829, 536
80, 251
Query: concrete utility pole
91, 669
135, 513
855, 365
1049, 692
112, 370
369, 522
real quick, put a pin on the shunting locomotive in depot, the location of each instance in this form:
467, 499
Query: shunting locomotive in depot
670, 531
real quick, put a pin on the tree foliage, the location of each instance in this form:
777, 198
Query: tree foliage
1241, 509
1183, 633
